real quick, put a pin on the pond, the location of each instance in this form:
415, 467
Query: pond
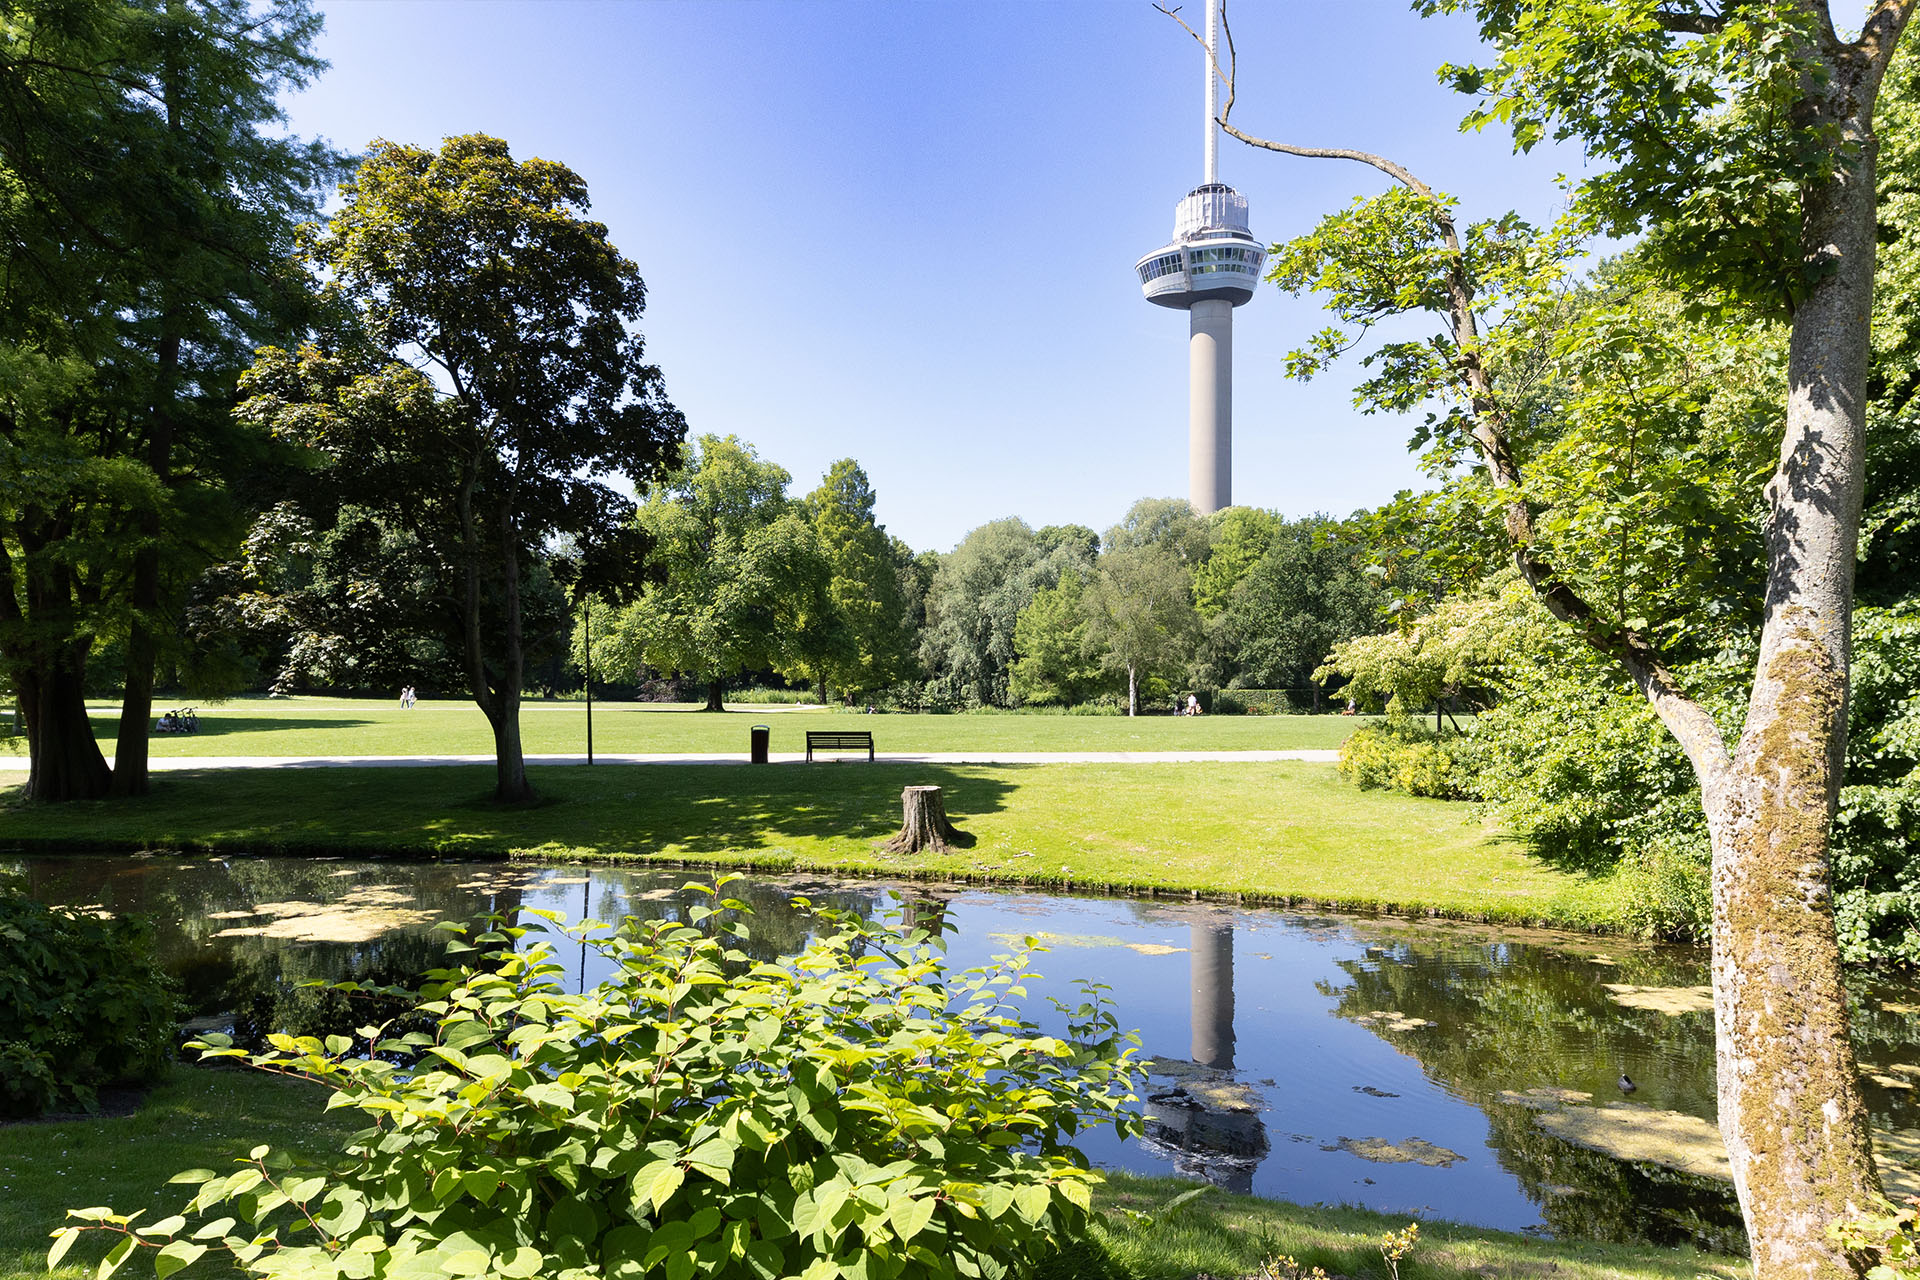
1423, 1068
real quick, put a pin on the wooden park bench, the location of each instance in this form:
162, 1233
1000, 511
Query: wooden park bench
831, 740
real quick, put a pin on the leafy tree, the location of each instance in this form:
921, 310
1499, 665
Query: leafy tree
1287, 610
868, 639
1739, 137
1463, 643
331, 594
484, 269
147, 220
741, 572
1054, 667
1168, 524
1067, 544
1140, 616
974, 603
1238, 538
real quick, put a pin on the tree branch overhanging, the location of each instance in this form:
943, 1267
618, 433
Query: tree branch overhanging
1690, 21
1692, 726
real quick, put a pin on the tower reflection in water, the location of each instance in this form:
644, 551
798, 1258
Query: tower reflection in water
1199, 1116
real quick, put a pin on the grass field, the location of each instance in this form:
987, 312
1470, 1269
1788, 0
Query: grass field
1272, 831
206, 1119
333, 726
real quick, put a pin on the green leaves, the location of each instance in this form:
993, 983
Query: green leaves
1713, 118
84, 1003
857, 1110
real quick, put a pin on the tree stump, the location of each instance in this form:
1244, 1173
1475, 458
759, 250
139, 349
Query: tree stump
923, 823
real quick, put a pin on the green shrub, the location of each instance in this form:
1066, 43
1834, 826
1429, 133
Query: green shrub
1253, 702
857, 1110
1106, 706
782, 697
1664, 889
1404, 755
82, 1005
1876, 836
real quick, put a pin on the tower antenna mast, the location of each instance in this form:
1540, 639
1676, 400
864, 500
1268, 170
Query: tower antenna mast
1210, 267
1213, 92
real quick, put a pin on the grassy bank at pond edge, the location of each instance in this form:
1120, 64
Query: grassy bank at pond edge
1272, 832
207, 1118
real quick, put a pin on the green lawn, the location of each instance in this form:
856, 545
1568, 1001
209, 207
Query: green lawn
333, 726
206, 1119
197, 1119
1272, 831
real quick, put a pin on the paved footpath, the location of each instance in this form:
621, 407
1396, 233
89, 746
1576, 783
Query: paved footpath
170, 764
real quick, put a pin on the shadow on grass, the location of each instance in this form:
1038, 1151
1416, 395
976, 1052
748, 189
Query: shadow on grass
713, 809
1172, 1229
215, 725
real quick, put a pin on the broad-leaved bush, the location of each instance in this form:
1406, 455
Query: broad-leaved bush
856, 1111
1401, 754
83, 1004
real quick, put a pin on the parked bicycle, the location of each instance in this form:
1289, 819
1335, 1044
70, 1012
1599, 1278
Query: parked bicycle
183, 720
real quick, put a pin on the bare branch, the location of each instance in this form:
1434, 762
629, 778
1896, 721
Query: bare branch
1228, 76
1396, 172
1690, 22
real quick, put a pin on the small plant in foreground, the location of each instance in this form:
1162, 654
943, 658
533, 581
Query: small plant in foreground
1396, 1245
1890, 1240
855, 1111
1283, 1267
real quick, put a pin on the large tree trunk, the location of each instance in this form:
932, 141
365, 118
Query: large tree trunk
714, 689
510, 762
509, 759
64, 762
498, 700
130, 754
136, 698
1790, 1107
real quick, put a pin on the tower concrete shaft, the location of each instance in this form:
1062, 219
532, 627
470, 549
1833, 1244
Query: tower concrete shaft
1211, 267
1210, 406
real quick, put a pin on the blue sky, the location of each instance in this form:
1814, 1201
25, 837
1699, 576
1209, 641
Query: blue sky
905, 232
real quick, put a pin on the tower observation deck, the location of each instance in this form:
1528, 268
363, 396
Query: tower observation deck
1210, 267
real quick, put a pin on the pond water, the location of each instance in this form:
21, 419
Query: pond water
1431, 1069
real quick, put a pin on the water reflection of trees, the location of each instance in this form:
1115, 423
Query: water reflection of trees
258, 979
1514, 1017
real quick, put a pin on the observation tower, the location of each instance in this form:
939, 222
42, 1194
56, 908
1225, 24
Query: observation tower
1210, 268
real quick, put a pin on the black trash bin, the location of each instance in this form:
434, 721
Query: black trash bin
757, 740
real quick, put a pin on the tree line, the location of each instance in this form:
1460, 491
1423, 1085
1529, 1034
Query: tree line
747, 582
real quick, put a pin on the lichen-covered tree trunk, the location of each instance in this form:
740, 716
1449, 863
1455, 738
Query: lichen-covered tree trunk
1790, 1109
